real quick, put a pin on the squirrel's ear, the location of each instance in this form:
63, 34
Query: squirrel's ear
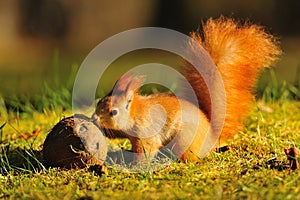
128, 84
132, 87
123, 82
135, 83
129, 96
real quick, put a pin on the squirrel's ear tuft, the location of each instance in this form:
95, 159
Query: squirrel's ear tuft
129, 82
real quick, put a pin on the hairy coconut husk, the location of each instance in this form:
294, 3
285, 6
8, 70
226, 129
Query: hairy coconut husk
75, 142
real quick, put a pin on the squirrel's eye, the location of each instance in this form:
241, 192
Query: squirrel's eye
114, 112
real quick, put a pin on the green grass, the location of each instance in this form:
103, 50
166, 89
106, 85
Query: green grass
255, 167
242, 172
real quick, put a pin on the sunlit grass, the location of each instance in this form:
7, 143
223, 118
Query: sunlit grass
245, 171
255, 167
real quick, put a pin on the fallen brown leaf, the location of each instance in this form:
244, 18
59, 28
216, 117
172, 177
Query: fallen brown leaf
292, 155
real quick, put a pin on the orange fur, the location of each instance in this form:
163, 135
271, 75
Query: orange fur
175, 110
240, 52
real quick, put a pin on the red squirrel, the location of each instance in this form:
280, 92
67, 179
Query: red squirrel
240, 52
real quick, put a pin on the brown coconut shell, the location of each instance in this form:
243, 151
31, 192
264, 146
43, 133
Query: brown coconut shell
75, 142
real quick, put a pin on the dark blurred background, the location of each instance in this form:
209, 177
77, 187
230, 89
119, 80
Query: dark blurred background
38, 35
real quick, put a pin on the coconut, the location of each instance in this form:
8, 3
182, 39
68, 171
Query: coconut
75, 142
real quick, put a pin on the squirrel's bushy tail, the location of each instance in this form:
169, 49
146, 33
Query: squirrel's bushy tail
240, 52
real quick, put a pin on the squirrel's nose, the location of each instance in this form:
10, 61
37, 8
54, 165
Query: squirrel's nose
95, 117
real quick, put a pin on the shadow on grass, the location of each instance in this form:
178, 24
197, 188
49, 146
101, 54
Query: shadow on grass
20, 160
24, 160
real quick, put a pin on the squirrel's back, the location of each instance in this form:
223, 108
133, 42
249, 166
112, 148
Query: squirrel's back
240, 52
